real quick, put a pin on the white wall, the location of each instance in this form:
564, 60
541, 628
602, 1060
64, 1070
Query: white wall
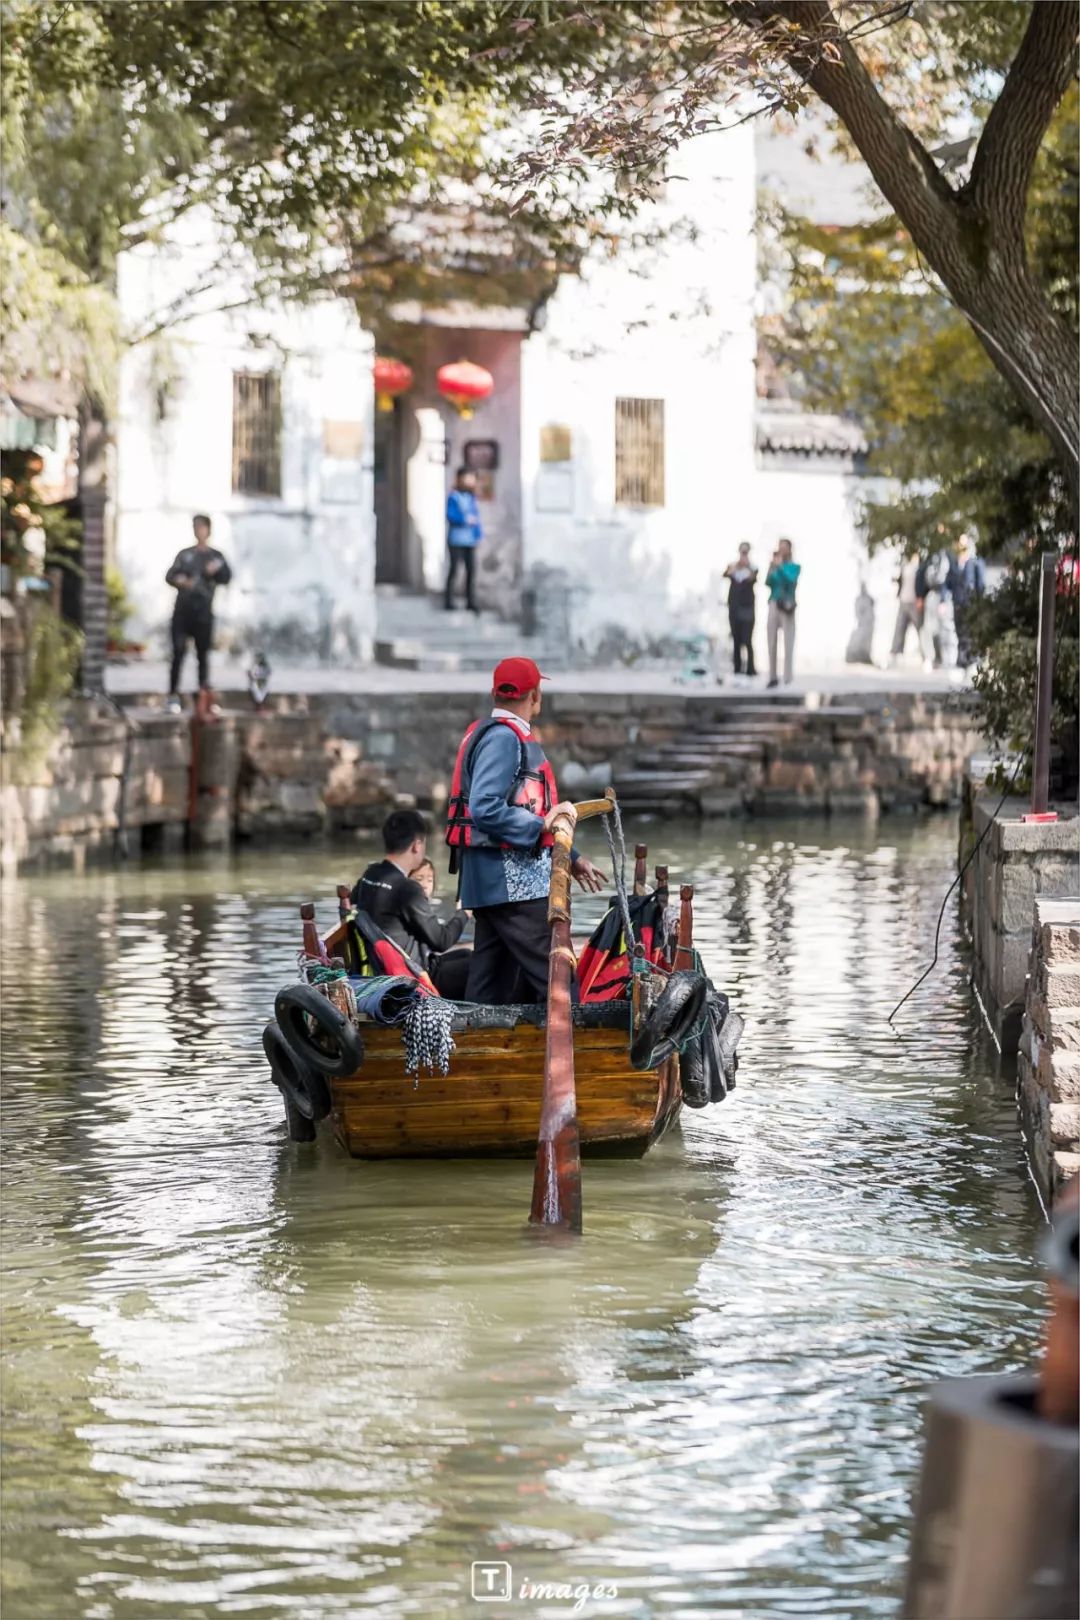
303, 563
818, 508
673, 322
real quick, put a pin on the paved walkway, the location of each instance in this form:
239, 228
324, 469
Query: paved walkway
147, 677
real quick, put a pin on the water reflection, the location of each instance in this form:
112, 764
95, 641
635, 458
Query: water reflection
245, 1378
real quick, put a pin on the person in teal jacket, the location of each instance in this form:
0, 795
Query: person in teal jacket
464, 532
781, 581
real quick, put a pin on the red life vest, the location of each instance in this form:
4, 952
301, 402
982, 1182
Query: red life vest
533, 787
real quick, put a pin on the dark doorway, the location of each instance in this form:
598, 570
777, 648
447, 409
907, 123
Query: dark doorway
392, 560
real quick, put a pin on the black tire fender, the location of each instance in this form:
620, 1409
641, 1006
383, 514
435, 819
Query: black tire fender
333, 1048
299, 1128
304, 1089
681, 1004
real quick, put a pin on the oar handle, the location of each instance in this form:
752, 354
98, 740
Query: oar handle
559, 894
596, 807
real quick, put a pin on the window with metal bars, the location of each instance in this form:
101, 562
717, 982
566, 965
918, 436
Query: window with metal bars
639, 452
256, 433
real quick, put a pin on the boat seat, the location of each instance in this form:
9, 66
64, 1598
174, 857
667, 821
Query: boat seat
586, 1015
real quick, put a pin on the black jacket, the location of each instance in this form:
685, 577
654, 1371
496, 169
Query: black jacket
403, 910
192, 561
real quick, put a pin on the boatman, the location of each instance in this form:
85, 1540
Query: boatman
503, 805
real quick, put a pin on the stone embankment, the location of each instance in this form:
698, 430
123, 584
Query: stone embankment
1016, 864
335, 762
1049, 1058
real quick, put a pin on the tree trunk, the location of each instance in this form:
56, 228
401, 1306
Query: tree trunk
93, 494
973, 239
1035, 353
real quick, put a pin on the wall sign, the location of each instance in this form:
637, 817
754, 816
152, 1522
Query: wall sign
556, 442
481, 455
554, 488
343, 441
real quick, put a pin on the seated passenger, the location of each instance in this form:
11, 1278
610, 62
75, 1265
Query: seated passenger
398, 904
449, 970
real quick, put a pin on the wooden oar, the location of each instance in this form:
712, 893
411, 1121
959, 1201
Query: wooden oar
556, 1199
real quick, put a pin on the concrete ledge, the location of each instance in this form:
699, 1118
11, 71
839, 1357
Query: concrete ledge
1017, 864
1048, 1067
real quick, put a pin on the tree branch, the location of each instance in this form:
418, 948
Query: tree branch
810, 37
1035, 84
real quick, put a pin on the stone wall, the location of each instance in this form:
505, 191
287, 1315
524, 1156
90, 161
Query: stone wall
337, 762
1016, 864
105, 770
1049, 1058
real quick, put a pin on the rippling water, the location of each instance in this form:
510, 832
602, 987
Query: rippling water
245, 1378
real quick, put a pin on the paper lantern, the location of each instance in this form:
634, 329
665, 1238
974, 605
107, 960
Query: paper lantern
392, 377
464, 385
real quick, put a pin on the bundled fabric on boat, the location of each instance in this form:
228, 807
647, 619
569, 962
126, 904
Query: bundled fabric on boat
604, 964
371, 953
425, 1020
386, 999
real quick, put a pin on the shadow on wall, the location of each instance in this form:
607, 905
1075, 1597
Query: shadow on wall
321, 634
614, 605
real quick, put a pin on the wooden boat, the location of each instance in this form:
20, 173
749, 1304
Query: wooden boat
489, 1102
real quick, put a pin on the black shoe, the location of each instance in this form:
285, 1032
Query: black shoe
772, 683
472, 607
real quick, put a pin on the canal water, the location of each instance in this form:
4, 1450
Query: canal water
246, 1378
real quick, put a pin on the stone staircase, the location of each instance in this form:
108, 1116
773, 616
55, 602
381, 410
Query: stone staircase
414, 631
726, 762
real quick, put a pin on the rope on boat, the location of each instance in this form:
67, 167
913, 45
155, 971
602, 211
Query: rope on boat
330, 979
613, 829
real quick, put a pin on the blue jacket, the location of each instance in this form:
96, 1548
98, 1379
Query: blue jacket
463, 526
970, 580
491, 877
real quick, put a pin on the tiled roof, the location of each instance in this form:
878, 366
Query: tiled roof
780, 427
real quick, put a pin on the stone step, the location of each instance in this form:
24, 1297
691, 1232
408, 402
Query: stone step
415, 654
659, 781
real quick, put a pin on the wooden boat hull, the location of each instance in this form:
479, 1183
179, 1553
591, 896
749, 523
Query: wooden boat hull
489, 1102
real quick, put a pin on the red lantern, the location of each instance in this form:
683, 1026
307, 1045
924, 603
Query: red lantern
392, 377
464, 384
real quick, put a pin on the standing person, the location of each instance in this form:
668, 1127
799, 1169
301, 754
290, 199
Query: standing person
195, 575
969, 583
782, 580
504, 804
935, 585
464, 532
909, 607
740, 607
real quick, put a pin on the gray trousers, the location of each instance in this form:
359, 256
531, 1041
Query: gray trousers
907, 615
939, 630
781, 624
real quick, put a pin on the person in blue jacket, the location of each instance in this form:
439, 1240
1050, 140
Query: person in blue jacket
464, 532
506, 864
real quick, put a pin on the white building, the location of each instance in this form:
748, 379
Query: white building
625, 454
258, 414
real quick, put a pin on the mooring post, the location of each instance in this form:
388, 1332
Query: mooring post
641, 855
1044, 691
684, 954
662, 905
313, 945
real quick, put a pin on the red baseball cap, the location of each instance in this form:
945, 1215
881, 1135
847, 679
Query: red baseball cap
514, 677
